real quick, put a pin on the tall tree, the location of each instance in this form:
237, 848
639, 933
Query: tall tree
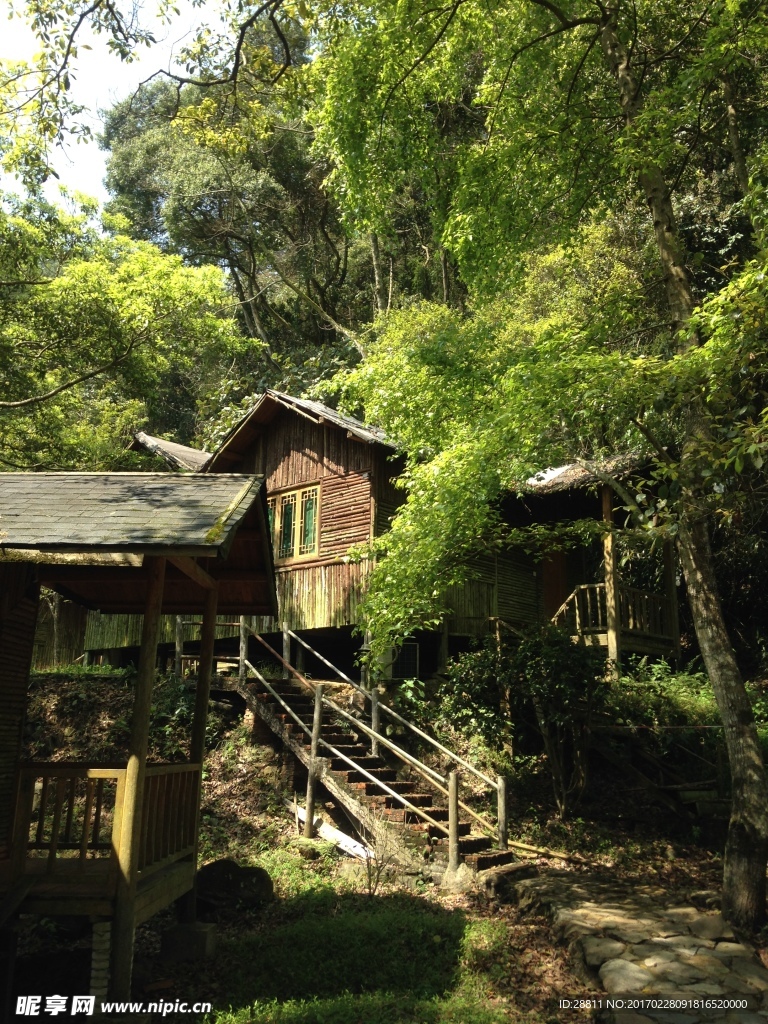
100, 334
583, 104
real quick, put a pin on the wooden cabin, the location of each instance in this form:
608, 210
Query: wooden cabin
115, 843
583, 589
330, 482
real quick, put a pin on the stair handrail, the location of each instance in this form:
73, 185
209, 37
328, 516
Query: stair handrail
414, 762
394, 714
337, 753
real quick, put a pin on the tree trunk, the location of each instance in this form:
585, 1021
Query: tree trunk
734, 136
744, 884
746, 848
380, 290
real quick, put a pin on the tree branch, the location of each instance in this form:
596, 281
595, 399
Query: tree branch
36, 399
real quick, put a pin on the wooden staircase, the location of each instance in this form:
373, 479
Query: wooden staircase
397, 805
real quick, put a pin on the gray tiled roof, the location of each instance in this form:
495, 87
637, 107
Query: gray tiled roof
151, 512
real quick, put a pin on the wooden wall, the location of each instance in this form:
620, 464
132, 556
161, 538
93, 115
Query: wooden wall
19, 594
72, 624
508, 586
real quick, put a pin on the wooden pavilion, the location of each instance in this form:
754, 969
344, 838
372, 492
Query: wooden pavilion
116, 842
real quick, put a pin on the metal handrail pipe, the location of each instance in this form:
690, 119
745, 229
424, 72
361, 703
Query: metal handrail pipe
436, 743
393, 714
279, 699
332, 667
356, 767
402, 754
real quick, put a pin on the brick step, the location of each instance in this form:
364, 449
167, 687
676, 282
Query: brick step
490, 859
364, 761
387, 775
417, 799
468, 844
398, 786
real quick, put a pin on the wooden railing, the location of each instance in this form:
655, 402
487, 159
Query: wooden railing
70, 815
641, 613
169, 815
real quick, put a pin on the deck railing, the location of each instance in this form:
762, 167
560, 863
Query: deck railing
69, 815
641, 613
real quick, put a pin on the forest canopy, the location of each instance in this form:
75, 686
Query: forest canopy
514, 237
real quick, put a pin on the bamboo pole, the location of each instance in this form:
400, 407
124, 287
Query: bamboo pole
286, 650
204, 674
179, 653
242, 672
375, 720
612, 609
453, 821
130, 833
501, 792
317, 723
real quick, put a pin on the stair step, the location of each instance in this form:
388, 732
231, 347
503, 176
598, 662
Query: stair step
365, 761
397, 786
387, 775
490, 859
467, 844
417, 799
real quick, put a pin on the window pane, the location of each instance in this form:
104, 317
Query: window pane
308, 543
287, 525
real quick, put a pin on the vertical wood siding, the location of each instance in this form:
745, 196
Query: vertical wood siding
72, 622
18, 616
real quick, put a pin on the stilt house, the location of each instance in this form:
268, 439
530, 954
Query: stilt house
330, 483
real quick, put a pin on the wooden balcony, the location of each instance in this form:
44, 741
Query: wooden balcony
647, 621
67, 831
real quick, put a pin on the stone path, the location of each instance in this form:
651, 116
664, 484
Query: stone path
631, 941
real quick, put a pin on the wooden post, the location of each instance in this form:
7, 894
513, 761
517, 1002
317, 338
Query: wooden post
130, 833
242, 672
453, 821
178, 664
286, 649
501, 792
187, 905
670, 591
610, 559
317, 723
204, 673
375, 719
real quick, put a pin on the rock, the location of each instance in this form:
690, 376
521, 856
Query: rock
629, 935
622, 977
711, 926
732, 949
706, 988
754, 973
681, 973
460, 880
224, 885
497, 881
597, 950
710, 964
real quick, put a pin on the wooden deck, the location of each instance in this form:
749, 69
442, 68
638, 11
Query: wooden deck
67, 833
647, 621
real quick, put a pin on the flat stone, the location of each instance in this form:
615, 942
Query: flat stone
684, 945
597, 950
754, 973
732, 949
704, 960
658, 959
683, 915
630, 935
733, 983
705, 988
711, 926
623, 977
744, 1017
682, 973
